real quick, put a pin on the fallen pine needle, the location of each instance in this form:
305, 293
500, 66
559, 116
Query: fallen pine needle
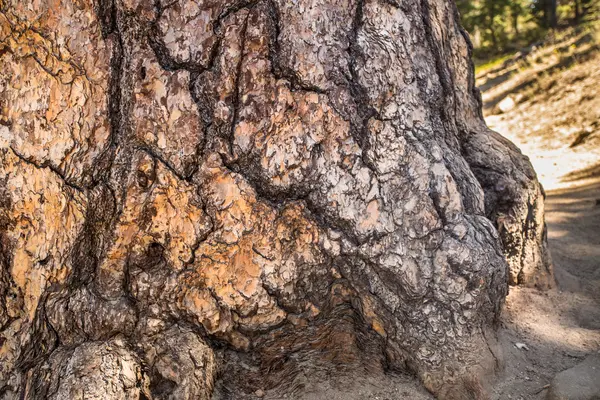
542, 389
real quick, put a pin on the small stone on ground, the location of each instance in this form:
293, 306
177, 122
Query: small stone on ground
581, 382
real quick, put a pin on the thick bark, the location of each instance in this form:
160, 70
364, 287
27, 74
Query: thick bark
291, 182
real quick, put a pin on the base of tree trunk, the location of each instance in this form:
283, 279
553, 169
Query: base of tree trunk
248, 189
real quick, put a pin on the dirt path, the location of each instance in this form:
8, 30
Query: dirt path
573, 214
555, 119
562, 326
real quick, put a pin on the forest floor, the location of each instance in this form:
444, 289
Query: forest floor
548, 103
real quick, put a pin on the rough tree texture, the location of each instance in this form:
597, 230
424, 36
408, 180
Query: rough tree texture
187, 182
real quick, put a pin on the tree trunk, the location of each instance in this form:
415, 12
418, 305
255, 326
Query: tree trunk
491, 25
552, 19
515, 12
250, 189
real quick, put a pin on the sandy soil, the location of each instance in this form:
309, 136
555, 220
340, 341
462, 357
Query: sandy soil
555, 120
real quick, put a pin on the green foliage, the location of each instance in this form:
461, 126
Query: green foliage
490, 63
501, 26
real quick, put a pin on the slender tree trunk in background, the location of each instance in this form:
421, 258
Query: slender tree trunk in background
551, 14
515, 20
577, 12
491, 25
250, 189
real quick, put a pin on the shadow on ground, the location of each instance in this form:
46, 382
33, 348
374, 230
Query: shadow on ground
534, 78
585, 173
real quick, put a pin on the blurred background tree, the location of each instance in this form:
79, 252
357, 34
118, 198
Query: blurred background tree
501, 26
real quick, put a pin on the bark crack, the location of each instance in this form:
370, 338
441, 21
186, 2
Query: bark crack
49, 166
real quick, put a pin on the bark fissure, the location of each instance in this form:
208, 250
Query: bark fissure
58, 172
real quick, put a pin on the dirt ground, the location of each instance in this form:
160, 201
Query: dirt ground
549, 105
553, 115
